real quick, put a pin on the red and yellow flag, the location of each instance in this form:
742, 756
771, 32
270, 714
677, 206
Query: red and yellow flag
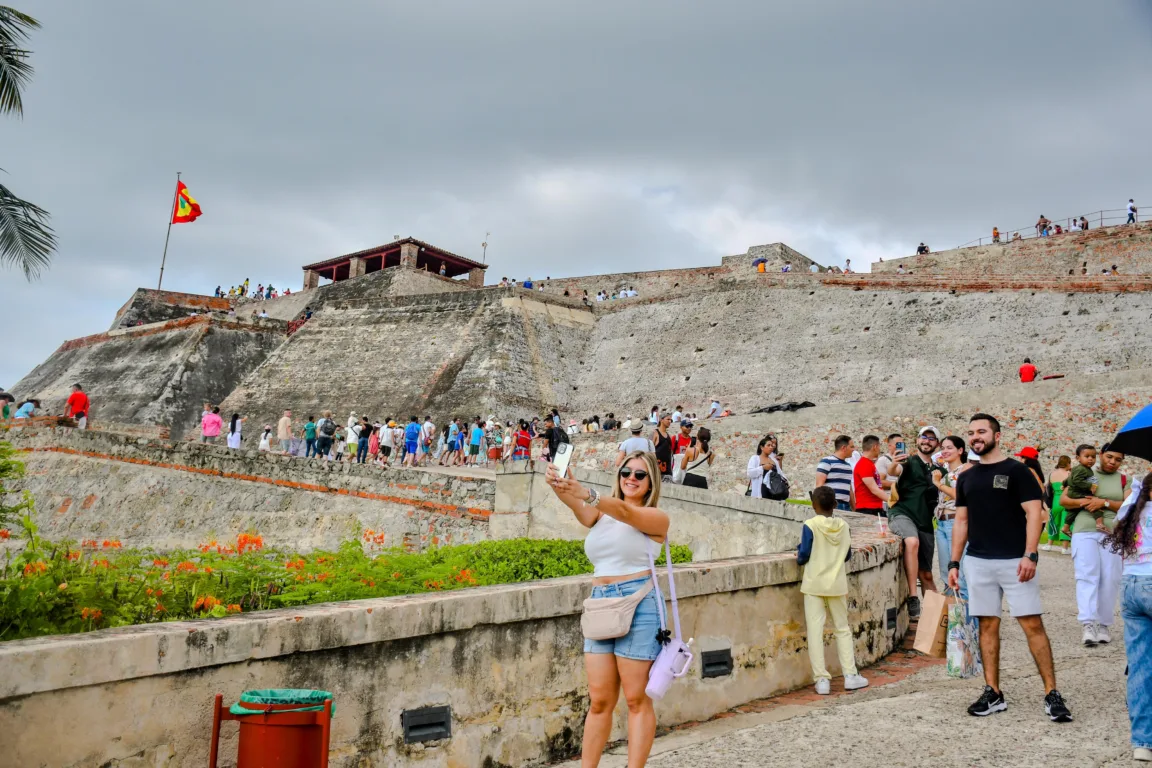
187, 209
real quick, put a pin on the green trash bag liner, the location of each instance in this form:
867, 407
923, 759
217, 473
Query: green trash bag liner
309, 701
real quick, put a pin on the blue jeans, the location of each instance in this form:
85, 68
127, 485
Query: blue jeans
843, 506
1136, 609
309, 446
944, 555
361, 450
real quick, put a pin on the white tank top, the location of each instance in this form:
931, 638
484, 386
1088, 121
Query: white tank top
616, 548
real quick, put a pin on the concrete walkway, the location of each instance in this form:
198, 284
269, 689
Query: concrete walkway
914, 715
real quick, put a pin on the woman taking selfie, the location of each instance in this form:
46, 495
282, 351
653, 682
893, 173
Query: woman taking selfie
623, 528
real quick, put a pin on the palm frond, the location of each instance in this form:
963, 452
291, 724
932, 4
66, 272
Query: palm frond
26, 239
15, 71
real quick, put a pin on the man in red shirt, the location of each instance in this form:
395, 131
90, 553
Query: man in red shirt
77, 406
870, 496
1027, 372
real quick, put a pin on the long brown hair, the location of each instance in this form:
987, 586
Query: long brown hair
1122, 540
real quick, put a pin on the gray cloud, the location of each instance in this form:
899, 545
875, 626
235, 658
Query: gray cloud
586, 138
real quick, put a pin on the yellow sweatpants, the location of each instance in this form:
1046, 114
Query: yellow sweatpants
814, 609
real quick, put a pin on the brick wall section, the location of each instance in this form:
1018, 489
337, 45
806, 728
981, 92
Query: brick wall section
1128, 247
1053, 416
164, 494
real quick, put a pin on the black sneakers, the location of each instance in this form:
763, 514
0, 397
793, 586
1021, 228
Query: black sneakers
913, 608
1055, 708
991, 702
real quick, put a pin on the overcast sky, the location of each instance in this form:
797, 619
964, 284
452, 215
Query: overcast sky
587, 137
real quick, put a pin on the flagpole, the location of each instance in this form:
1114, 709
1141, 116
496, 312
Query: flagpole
172, 214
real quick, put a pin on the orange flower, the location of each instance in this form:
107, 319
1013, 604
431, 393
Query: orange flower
167, 575
109, 544
102, 563
233, 608
297, 563
31, 569
160, 562
5, 533
74, 555
95, 614
207, 569
63, 586
160, 608
148, 591
88, 543
186, 567
396, 575
249, 541
207, 603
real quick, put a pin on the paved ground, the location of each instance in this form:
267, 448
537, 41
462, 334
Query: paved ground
914, 715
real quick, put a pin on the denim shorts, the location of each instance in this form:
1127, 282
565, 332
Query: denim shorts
640, 643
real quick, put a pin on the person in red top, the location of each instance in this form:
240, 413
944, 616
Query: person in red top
77, 406
1027, 372
870, 495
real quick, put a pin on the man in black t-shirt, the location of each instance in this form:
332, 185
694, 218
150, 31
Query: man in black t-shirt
998, 516
554, 434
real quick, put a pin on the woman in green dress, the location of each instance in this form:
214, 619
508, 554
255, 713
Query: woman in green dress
1058, 541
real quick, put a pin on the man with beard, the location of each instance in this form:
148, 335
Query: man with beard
911, 516
998, 515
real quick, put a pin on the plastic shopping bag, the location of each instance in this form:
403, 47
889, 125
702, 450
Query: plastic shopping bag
963, 643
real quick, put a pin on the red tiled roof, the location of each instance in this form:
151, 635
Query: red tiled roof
395, 244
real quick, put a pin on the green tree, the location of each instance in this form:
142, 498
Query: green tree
26, 239
11, 469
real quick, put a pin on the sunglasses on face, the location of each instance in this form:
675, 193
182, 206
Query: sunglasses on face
639, 474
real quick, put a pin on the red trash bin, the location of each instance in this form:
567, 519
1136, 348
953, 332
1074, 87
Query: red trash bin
279, 736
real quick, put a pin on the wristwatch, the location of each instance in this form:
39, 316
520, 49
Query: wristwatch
593, 497
1033, 556
954, 564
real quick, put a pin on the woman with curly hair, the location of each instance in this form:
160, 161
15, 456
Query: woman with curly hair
1131, 538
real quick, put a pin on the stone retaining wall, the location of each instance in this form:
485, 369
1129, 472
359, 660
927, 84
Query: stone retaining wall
507, 660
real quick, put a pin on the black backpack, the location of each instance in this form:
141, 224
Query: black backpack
774, 487
327, 427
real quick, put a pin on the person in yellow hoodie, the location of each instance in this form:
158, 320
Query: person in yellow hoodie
825, 546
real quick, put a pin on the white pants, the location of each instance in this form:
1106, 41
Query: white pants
1097, 578
814, 613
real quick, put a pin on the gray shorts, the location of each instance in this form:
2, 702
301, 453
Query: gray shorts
905, 528
991, 580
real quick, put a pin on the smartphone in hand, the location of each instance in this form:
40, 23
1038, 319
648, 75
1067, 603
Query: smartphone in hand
562, 458
901, 447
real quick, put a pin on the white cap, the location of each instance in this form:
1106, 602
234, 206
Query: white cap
931, 429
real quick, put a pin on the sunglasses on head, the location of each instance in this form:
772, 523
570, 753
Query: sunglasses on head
639, 474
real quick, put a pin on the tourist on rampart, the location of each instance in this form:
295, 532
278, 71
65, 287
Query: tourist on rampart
350, 434
953, 462
910, 517
325, 432
922, 249
522, 443
835, 471
825, 546
1097, 570
623, 530
1016, 236
284, 432
235, 427
363, 438
77, 406
1028, 371
28, 409
870, 494
696, 461
266, 439
682, 440
1058, 540
634, 444
884, 464
387, 441
1131, 540
1042, 225
787, 267
654, 415
1131, 211
210, 426
411, 440
1084, 223
663, 442
309, 435
995, 235
475, 440
452, 430
714, 408
998, 518
764, 461
553, 435
610, 423
427, 438
7, 405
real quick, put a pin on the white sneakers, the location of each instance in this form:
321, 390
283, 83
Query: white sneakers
1090, 639
1102, 634
1142, 754
851, 683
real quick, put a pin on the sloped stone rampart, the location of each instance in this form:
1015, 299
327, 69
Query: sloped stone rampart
1053, 416
506, 659
754, 345
149, 305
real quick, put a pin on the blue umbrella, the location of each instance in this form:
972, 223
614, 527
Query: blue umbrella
1135, 437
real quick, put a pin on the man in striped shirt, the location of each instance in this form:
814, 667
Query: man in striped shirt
835, 472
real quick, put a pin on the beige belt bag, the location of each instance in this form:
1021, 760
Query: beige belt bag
606, 618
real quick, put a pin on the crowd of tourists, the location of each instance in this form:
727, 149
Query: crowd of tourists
260, 293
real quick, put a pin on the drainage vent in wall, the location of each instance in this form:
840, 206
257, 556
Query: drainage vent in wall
891, 616
716, 663
427, 724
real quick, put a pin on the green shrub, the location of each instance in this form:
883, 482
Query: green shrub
52, 588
